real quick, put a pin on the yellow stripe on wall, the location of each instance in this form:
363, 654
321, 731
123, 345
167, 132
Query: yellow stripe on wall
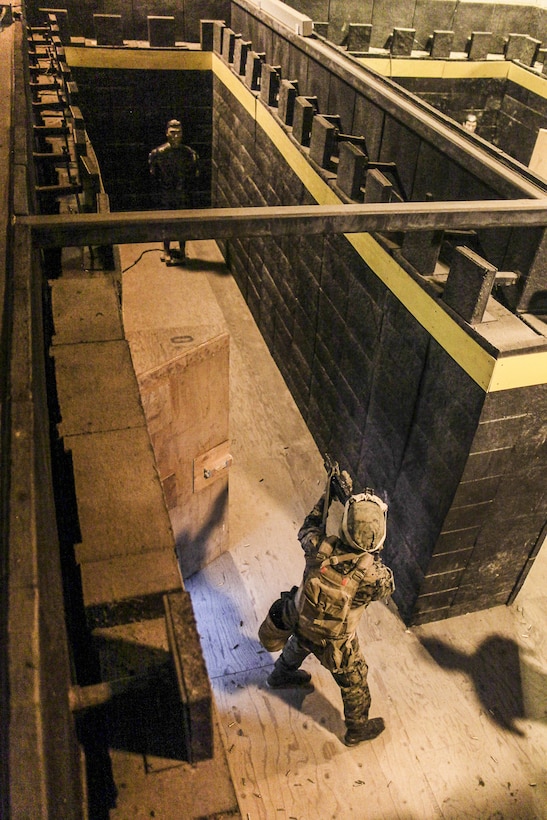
440, 69
144, 59
490, 374
458, 70
536, 83
461, 347
429, 315
519, 371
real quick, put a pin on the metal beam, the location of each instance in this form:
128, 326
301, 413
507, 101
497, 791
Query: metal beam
67, 230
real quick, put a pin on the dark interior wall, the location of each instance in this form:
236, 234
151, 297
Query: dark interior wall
422, 15
426, 166
125, 113
373, 388
458, 97
502, 497
425, 16
521, 115
508, 114
134, 13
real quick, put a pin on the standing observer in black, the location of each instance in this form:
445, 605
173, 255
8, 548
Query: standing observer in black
174, 168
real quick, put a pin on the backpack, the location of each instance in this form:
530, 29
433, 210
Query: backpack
325, 597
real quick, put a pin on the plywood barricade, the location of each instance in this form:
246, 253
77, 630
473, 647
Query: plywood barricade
182, 372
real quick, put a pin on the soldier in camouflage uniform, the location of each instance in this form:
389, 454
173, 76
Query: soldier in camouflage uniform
353, 561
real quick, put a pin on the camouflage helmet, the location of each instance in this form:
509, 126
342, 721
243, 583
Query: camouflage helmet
364, 522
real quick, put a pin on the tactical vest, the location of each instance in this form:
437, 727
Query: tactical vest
324, 599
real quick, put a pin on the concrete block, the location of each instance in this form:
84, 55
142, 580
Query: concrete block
161, 31
523, 48
323, 139
322, 29
218, 35
402, 42
96, 387
305, 109
241, 50
359, 35
378, 188
352, 163
85, 310
108, 29
121, 507
270, 79
469, 284
269, 83
288, 92
478, 46
421, 249
206, 33
253, 70
441, 44
228, 43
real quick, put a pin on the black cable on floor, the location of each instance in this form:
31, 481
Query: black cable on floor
149, 250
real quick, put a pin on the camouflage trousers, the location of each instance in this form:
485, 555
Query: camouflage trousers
345, 662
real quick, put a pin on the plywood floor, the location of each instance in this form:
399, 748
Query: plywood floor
465, 700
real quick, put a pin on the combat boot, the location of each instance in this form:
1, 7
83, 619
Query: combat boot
283, 676
364, 731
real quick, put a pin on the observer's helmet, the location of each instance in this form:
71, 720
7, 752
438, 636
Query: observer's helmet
363, 524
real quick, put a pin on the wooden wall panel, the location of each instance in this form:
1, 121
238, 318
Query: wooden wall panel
183, 378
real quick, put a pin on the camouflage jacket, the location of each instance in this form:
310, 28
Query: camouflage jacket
377, 581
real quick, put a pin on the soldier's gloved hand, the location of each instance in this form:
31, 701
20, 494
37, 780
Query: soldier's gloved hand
367, 561
346, 481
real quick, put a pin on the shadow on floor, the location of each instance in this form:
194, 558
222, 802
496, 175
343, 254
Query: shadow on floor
496, 671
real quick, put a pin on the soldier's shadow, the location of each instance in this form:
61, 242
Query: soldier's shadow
311, 701
497, 670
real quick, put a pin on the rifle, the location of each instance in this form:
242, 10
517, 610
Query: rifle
339, 484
